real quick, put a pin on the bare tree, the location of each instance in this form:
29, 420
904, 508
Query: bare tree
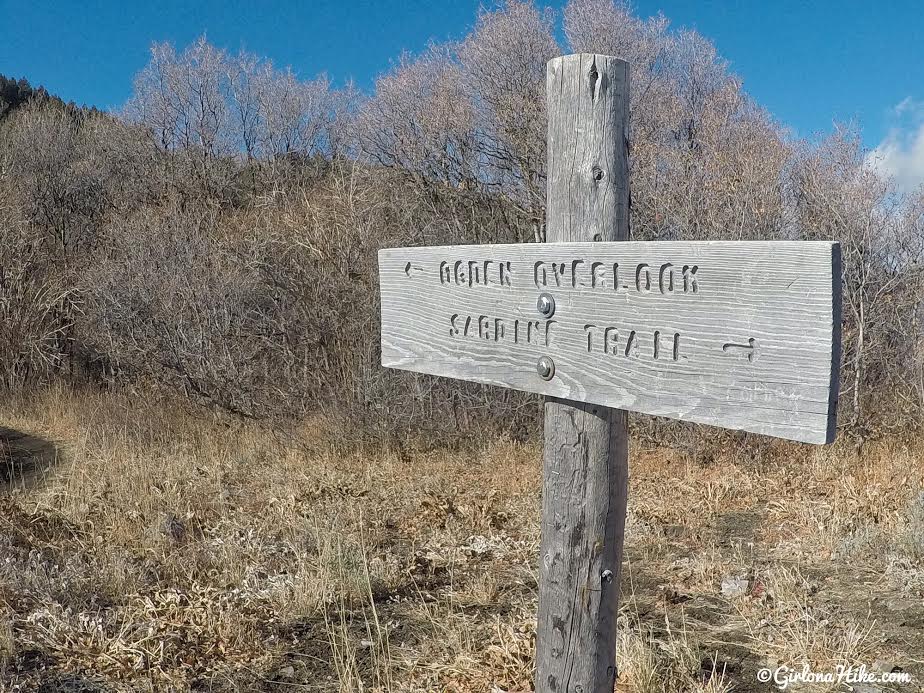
244, 86
705, 161
420, 121
293, 114
840, 197
210, 109
503, 70
58, 190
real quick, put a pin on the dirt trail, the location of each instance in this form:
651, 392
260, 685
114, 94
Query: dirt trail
24, 458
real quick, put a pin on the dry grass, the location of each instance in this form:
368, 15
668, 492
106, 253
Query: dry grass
161, 550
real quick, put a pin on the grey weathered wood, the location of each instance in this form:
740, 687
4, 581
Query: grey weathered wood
743, 335
783, 295
585, 468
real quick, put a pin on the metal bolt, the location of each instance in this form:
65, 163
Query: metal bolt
546, 305
545, 368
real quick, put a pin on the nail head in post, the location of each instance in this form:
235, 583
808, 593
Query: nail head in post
546, 305
545, 367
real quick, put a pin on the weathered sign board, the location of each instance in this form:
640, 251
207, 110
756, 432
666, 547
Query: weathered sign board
743, 335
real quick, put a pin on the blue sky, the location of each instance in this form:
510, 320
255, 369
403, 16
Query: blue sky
808, 63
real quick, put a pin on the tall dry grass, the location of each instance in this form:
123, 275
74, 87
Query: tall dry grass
164, 548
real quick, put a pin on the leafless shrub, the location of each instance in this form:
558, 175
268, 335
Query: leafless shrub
317, 258
503, 66
419, 122
32, 302
839, 197
171, 302
182, 101
210, 109
48, 171
270, 313
706, 161
471, 116
221, 239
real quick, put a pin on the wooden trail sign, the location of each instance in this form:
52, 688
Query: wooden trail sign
735, 334
743, 335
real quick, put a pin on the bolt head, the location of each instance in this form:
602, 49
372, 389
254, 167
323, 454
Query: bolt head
546, 305
545, 367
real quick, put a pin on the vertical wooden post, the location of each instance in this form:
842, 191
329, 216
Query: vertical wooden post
585, 463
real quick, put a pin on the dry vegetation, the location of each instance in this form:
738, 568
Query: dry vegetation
218, 238
151, 550
210, 484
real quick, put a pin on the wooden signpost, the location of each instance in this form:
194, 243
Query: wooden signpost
743, 335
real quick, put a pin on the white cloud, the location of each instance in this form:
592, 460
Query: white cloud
900, 155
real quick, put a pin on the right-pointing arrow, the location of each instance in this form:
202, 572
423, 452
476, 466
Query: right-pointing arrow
750, 349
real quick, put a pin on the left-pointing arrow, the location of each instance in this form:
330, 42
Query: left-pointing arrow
410, 269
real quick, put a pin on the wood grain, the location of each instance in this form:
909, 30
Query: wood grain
585, 463
757, 327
